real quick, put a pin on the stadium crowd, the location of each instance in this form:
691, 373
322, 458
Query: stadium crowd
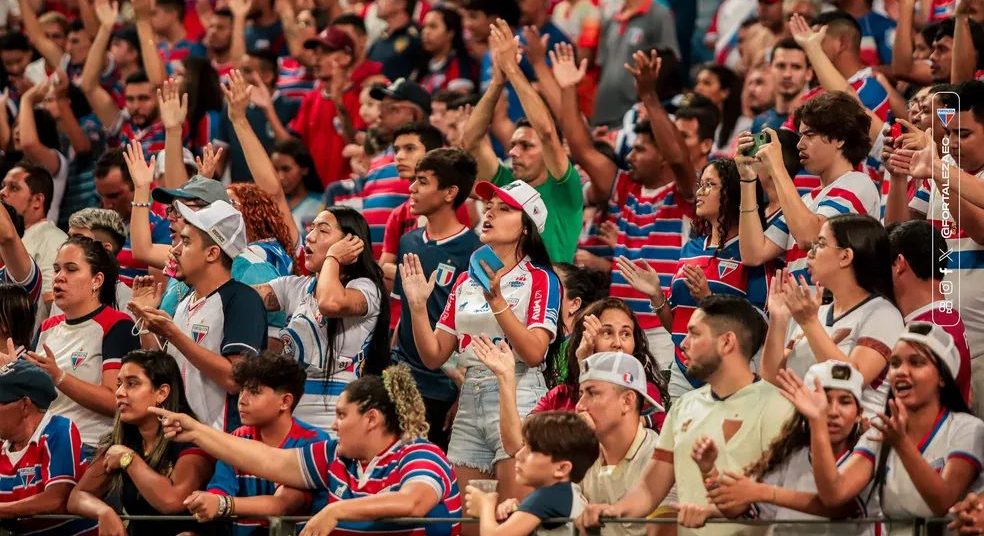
515, 260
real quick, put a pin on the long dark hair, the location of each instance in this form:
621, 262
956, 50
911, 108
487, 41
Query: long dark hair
731, 108
17, 314
161, 369
376, 355
293, 148
868, 240
531, 245
202, 86
459, 51
729, 210
641, 352
99, 260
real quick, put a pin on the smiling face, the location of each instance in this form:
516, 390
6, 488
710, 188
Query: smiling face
325, 231
501, 224
135, 393
913, 376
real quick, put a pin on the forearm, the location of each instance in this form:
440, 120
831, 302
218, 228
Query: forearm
548, 86
487, 523
348, 128
383, 505
16, 259
666, 135
278, 465
330, 292
897, 204
161, 493
902, 46
280, 131
825, 473
69, 125
141, 240
237, 46
53, 500
510, 424
153, 65
803, 223
85, 504
215, 367
257, 159
967, 186
601, 171
481, 116
809, 503
774, 348
92, 396
426, 338
294, 42
962, 64
751, 236
89, 20
51, 53
283, 503
175, 174
930, 484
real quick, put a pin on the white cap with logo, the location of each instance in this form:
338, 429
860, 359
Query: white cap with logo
836, 375
223, 223
620, 369
938, 341
518, 195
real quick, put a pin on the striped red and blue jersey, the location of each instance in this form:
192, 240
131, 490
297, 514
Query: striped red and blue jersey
151, 138
204, 132
227, 480
652, 224
293, 81
130, 267
180, 50
941, 9
32, 284
590, 240
382, 192
52, 456
403, 463
725, 274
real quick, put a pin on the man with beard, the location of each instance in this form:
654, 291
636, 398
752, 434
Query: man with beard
224, 39
791, 73
139, 120
723, 335
219, 323
650, 204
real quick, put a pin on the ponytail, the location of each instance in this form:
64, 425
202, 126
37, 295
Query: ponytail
409, 404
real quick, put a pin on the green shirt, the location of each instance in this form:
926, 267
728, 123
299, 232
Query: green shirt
565, 208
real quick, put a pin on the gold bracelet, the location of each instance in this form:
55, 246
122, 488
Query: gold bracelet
745, 211
504, 309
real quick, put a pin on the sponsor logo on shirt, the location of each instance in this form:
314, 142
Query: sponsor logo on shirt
78, 358
537, 303
198, 333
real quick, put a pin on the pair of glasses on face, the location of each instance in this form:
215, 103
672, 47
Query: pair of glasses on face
702, 186
822, 243
171, 211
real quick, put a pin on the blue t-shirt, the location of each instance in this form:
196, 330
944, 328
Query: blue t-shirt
449, 257
877, 37
560, 500
267, 38
768, 119
285, 109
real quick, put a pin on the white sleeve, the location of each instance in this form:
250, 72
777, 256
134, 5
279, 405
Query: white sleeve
289, 290
371, 293
966, 440
880, 330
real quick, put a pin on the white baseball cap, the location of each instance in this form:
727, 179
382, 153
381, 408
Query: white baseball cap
223, 223
836, 375
186, 157
938, 341
620, 369
518, 195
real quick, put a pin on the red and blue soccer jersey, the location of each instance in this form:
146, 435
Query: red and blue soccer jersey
180, 50
652, 224
32, 284
235, 483
383, 191
293, 81
52, 456
725, 274
130, 267
942, 9
404, 463
150, 138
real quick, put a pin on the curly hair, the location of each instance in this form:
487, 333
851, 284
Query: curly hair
261, 215
728, 209
836, 115
395, 395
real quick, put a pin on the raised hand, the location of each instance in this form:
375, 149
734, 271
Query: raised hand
893, 428
173, 104
141, 171
240, 8
608, 233
536, 45
209, 161
810, 402
147, 292
261, 96
591, 329
804, 35
107, 12
565, 68
497, 356
504, 46
47, 363
696, 282
645, 279
776, 301
417, 287
237, 94
645, 70
802, 303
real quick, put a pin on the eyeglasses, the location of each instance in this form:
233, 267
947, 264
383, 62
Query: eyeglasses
171, 211
701, 186
822, 243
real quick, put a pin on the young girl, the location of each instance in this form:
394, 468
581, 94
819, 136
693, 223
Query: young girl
137, 465
521, 306
333, 328
299, 181
851, 259
709, 264
923, 454
81, 348
581, 287
448, 64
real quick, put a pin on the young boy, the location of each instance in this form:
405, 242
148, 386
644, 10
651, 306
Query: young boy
271, 387
560, 448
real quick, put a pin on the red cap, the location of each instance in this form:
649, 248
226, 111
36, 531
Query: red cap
332, 38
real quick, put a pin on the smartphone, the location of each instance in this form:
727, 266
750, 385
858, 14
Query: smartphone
897, 130
475, 270
758, 140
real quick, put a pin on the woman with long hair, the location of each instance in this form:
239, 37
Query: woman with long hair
859, 326
925, 449
196, 77
447, 63
81, 348
581, 287
380, 452
723, 87
710, 263
299, 180
608, 325
267, 233
780, 485
137, 465
337, 326
16, 319
519, 304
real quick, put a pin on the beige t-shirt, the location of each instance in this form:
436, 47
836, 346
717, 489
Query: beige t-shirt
750, 419
608, 483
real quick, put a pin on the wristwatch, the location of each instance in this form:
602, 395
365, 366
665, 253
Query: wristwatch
125, 460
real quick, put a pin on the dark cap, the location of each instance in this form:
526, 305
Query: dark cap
402, 90
199, 187
22, 378
332, 38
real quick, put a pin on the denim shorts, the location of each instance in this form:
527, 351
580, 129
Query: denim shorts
475, 438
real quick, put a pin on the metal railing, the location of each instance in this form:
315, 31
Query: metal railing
285, 525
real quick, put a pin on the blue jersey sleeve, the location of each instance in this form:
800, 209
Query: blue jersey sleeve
224, 481
549, 502
244, 330
64, 452
423, 463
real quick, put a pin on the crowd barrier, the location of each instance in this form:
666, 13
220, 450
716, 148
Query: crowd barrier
285, 526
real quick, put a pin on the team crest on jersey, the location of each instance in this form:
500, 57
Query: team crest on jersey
78, 358
288, 343
945, 115
445, 274
726, 266
28, 475
198, 333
